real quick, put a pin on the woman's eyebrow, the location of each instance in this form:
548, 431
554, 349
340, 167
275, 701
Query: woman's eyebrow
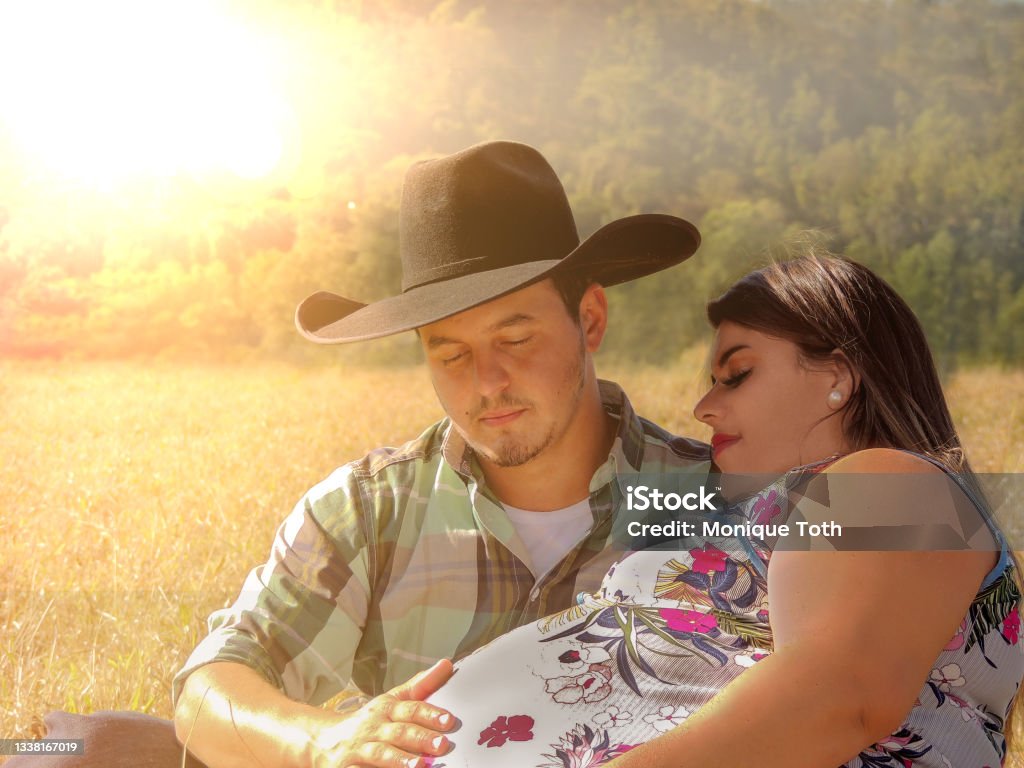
724, 357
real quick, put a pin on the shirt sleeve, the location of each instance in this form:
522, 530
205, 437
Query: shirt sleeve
300, 616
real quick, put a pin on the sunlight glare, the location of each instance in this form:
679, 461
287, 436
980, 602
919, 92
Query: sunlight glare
106, 90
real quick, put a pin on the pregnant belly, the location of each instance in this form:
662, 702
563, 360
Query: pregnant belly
579, 688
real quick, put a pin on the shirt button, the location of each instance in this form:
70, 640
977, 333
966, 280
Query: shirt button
534, 594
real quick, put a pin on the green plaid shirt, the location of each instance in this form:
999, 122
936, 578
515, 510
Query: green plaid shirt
405, 557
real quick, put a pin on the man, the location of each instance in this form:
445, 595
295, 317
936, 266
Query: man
496, 516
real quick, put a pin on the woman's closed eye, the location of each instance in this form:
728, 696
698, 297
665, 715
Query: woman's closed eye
736, 379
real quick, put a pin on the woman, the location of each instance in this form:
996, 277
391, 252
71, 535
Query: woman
821, 377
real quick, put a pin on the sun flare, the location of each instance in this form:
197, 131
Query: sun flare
107, 90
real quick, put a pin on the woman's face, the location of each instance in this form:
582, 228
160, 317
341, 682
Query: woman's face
769, 410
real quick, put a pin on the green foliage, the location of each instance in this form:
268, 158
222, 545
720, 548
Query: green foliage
892, 128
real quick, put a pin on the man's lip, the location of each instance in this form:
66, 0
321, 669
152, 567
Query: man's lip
497, 418
721, 442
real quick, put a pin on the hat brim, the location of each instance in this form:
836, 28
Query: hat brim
623, 250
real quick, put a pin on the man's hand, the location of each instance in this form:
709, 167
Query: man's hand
391, 731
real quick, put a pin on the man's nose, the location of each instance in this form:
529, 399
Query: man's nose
491, 376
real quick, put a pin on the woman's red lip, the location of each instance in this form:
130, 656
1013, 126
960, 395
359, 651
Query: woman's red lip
720, 442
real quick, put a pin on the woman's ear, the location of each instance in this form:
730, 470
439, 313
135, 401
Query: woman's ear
845, 377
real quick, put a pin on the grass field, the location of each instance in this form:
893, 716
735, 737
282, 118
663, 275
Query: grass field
136, 497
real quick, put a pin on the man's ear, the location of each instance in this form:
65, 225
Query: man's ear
593, 316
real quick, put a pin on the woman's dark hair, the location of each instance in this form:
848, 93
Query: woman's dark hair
827, 303
824, 304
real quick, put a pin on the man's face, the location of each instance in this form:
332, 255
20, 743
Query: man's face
510, 373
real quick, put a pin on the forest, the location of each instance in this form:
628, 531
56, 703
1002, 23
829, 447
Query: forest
889, 131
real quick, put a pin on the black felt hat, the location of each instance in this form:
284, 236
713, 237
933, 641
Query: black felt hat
484, 222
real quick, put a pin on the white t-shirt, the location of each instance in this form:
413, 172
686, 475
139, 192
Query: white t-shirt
548, 536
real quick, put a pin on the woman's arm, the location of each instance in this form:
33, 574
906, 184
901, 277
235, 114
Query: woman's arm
856, 635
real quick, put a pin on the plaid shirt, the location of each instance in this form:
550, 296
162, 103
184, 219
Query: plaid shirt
405, 557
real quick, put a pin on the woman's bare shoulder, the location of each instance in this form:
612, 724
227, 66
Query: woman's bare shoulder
887, 487
882, 460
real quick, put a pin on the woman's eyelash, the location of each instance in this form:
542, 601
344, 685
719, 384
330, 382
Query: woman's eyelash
734, 381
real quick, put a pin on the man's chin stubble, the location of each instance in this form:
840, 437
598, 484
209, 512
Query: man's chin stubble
517, 455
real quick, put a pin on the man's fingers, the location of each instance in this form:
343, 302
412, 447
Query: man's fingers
426, 682
395, 729
380, 755
421, 713
413, 739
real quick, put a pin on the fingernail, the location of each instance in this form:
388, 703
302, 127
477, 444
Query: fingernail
412, 762
444, 719
437, 742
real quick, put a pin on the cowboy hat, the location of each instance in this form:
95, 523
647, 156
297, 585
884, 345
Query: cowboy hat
484, 222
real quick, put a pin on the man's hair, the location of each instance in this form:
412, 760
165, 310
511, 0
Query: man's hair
571, 286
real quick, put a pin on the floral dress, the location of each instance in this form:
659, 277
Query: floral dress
668, 630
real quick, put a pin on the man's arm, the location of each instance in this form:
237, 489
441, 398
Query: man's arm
247, 694
228, 716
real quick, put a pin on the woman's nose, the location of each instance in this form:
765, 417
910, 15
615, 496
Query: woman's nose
706, 408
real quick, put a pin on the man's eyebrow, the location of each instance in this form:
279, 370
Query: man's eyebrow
437, 341
516, 319
520, 317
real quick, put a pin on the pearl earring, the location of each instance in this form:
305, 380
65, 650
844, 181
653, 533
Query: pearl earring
835, 399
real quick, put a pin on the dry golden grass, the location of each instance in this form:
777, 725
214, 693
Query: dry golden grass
136, 497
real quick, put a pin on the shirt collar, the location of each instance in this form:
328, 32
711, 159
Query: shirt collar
628, 448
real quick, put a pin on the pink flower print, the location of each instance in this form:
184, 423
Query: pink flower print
612, 717
966, 710
709, 558
958, 638
947, 677
766, 509
567, 657
580, 658
667, 718
688, 621
584, 747
749, 659
1011, 626
896, 741
762, 616
588, 686
514, 728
